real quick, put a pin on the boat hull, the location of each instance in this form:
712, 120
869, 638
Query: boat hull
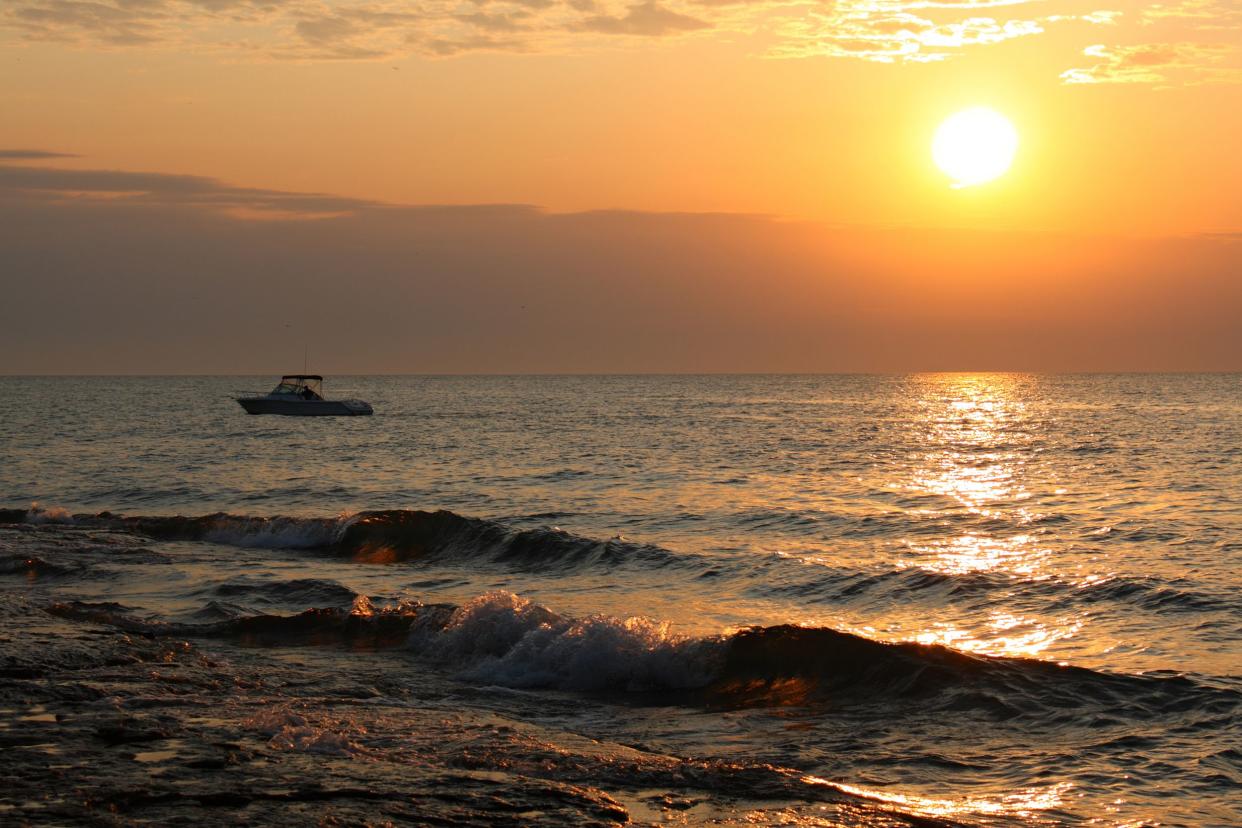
305, 408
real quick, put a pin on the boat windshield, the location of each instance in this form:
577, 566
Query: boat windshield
308, 388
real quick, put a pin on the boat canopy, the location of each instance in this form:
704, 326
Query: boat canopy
302, 385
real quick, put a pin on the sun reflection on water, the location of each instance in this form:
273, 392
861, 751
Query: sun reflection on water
1017, 555
978, 438
1003, 634
974, 425
1020, 804
969, 481
977, 433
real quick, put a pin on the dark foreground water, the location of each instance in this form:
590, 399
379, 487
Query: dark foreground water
923, 600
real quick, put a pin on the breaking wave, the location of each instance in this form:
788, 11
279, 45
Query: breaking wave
501, 639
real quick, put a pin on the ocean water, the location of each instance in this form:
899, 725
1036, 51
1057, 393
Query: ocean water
949, 599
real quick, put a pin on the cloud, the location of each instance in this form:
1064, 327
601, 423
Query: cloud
912, 31
1158, 64
497, 22
312, 30
61, 186
32, 155
1204, 50
448, 47
649, 19
325, 29
877, 31
1205, 14
181, 264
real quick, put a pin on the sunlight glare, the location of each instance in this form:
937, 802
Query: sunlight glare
974, 146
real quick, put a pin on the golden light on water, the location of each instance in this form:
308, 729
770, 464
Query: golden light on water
977, 430
973, 469
972, 424
1004, 634
1021, 804
1019, 555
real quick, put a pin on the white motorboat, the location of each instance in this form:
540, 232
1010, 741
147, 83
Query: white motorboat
301, 395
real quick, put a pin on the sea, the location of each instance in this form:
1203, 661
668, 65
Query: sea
922, 600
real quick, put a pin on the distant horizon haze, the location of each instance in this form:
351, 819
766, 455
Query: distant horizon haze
112, 272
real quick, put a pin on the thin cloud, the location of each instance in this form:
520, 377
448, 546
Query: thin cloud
1204, 14
321, 30
1155, 64
903, 31
497, 22
111, 23
448, 47
877, 31
54, 185
649, 19
1203, 50
32, 155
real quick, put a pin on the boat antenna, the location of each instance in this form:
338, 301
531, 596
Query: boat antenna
305, 358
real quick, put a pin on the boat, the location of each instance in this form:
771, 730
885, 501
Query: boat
301, 395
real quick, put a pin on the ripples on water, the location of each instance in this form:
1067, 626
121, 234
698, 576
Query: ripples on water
995, 526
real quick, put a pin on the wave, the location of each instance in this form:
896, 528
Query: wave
32, 566
913, 515
399, 535
1178, 595
238, 530
299, 592
359, 627
386, 536
501, 639
840, 584
789, 664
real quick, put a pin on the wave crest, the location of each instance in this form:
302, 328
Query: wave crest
501, 638
381, 537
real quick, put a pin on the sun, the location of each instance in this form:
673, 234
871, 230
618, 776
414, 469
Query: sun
974, 146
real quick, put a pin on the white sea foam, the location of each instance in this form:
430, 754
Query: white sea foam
500, 638
276, 532
48, 514
289, 730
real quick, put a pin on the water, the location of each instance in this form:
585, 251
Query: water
673, 596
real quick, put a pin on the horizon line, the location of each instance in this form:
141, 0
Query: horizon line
1033, 372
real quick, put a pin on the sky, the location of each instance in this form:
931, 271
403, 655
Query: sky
495, 186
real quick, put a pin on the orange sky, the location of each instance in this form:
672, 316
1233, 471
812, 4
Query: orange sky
1128, 113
